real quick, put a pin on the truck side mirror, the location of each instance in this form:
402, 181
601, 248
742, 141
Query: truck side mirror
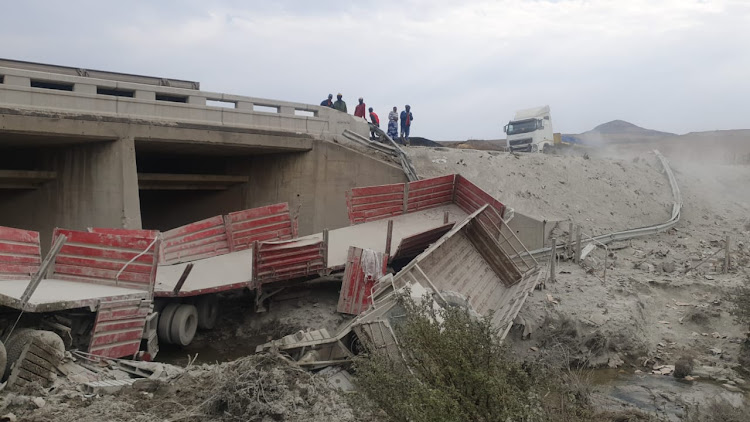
505, 129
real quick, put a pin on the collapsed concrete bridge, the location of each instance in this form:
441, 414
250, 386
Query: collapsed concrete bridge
81, 148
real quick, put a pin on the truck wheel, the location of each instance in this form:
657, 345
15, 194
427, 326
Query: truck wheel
11, 351
34, 356
163, 329
208, 312
184, 324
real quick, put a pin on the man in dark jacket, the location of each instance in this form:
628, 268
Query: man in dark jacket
406, 118
339, 105
328, 102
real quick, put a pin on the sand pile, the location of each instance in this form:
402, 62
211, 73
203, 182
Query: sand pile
255, 388
602, 195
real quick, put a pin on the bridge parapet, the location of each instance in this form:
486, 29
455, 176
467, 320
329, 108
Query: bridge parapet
24, 88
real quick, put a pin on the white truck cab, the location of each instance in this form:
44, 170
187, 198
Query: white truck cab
530, 130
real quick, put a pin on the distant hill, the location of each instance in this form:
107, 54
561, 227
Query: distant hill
622, 127
618, 131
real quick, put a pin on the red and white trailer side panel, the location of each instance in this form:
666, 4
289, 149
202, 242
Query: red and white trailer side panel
20, 255
219, 250
109, 272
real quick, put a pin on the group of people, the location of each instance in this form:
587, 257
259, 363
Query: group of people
393, 117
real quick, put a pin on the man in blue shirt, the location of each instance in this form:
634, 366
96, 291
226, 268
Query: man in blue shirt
328, 102
406, 118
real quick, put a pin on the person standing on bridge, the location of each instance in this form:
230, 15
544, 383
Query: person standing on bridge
375, 122
340, 105
359, 111
406, 118
328, 102
393, 124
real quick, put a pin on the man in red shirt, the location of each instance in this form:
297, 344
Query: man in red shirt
360, 110
375, 122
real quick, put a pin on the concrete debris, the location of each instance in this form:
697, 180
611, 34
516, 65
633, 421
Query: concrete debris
8, 417
38, 402
338, 378
108, 386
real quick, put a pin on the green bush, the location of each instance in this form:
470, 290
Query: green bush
455, 369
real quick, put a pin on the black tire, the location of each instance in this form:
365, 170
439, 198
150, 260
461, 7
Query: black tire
163, 327
208, 312
184, 325
12, 350
44, 351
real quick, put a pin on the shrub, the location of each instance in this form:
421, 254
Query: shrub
454, 368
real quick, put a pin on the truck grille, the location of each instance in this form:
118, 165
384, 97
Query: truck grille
520, 142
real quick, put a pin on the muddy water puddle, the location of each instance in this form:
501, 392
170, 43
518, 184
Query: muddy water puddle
662, 394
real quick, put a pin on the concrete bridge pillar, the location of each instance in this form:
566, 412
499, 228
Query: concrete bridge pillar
99, 186
95, 185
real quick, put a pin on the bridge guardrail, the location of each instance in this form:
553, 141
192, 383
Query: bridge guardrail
66, 93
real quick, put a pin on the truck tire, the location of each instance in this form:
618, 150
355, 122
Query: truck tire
11, 351
208, 312
34, 356
163, 327
184, 324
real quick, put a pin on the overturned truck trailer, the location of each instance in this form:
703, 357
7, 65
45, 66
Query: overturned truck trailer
479, 264
92, 292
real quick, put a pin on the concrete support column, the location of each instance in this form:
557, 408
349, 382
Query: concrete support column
84, 88
244, 105
145, 95
193, 99
289, 111
98, 186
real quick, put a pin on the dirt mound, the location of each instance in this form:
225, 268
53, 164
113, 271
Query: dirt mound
602, 195
255, 388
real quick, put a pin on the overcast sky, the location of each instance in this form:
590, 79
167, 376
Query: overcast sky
463, 66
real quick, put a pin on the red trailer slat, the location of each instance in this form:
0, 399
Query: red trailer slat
435, 181
261, 225
127, 232
118, 325
272, 222
18, 248
20, 255
10, 234
252, 213
285, 260
133, 267
108, 254
204, 238
474, 195
121, 242
82, 259
109, 337
413, 245
118, 328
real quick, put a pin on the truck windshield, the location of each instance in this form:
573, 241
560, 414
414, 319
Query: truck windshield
521, 126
